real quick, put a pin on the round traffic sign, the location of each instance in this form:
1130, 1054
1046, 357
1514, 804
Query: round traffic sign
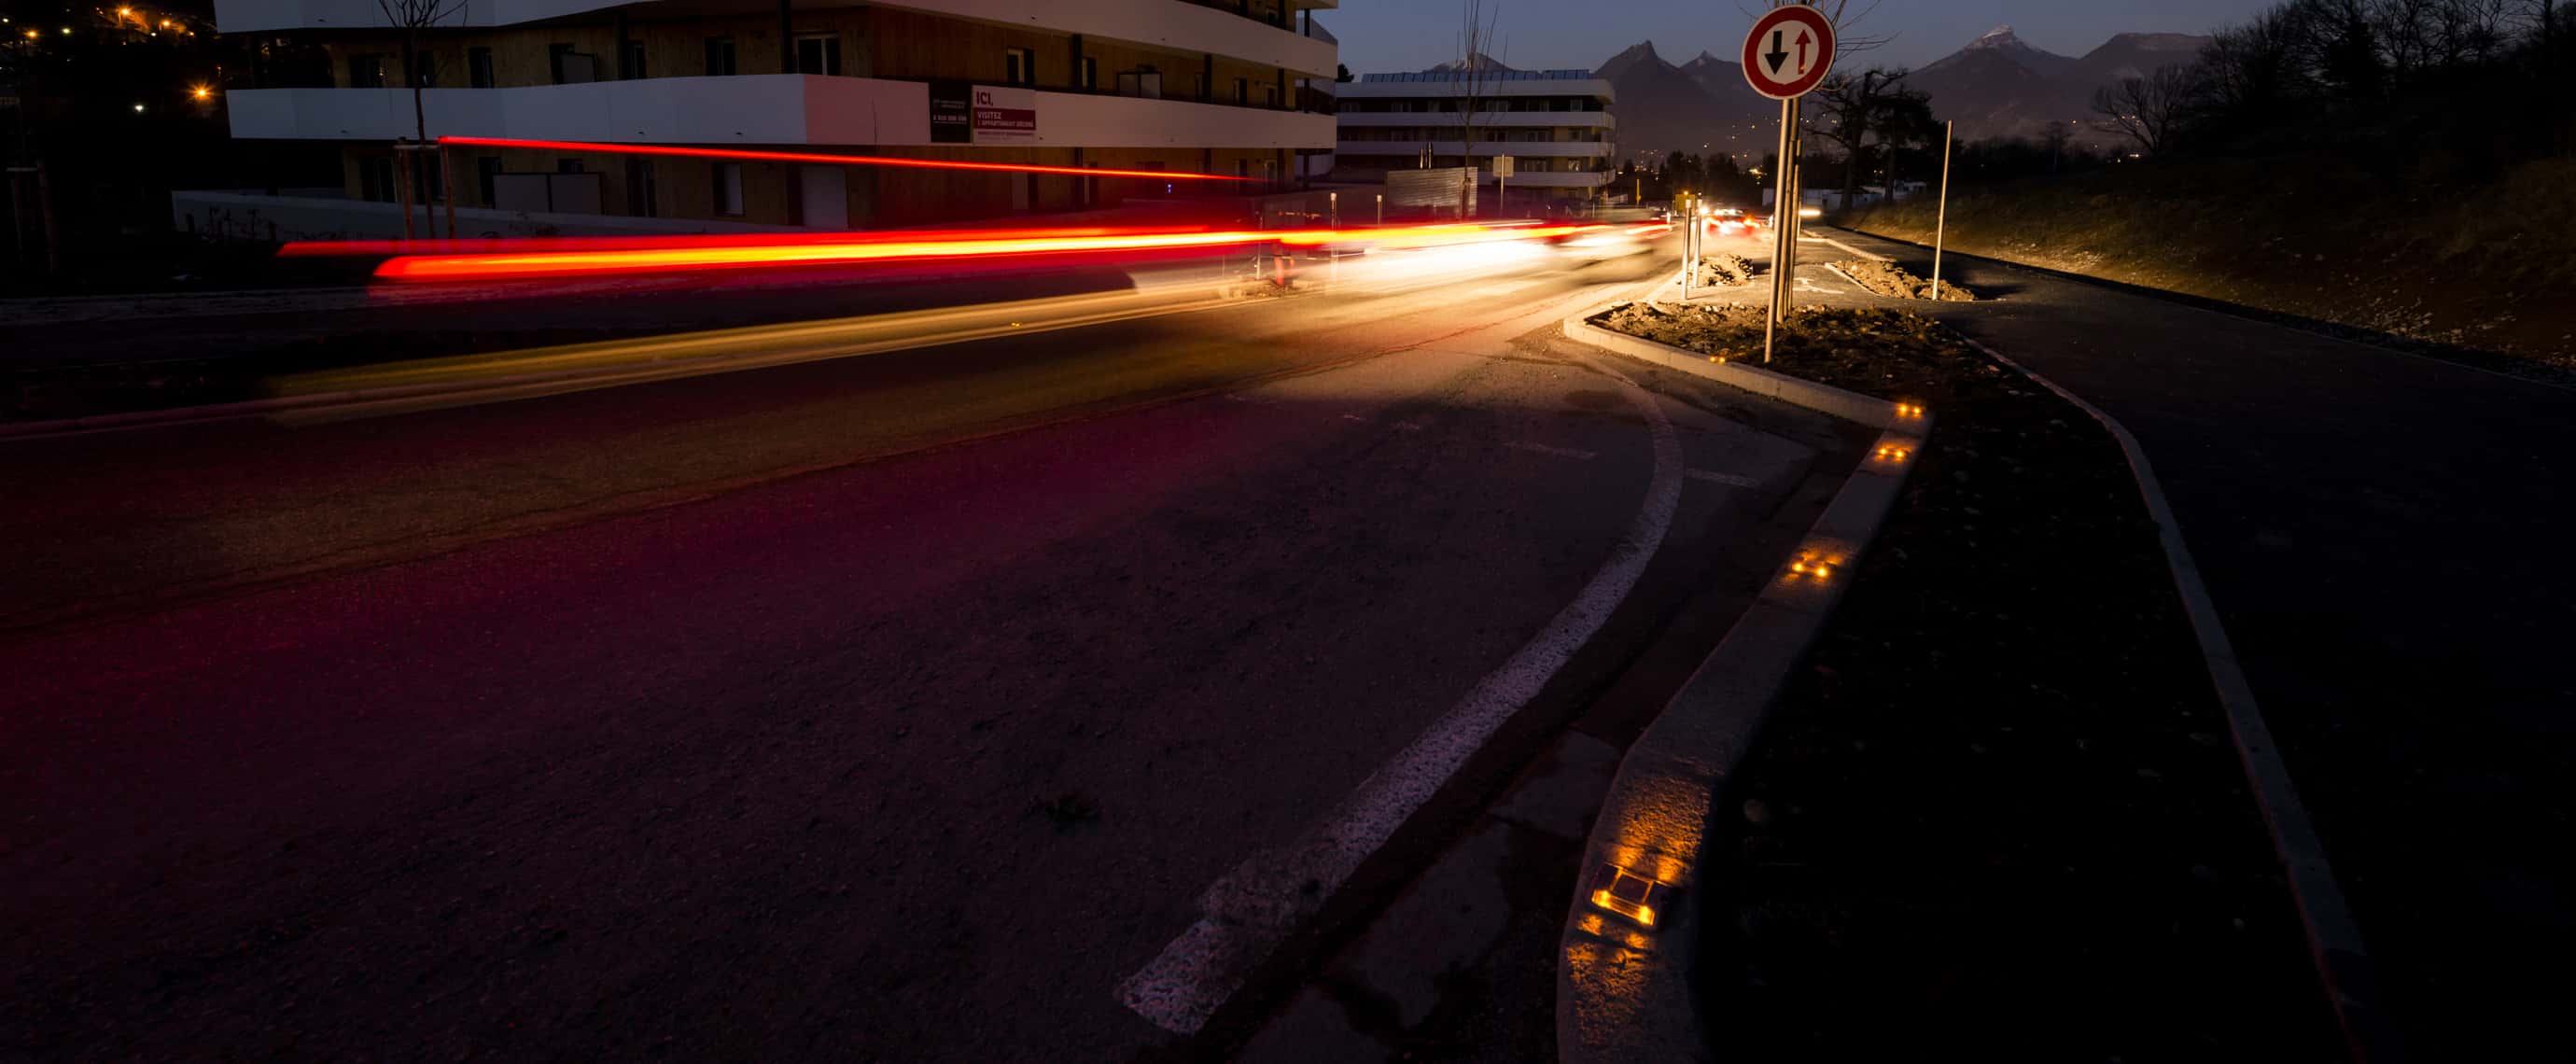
1789, 52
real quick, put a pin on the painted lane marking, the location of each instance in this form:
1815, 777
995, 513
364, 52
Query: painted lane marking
1560, 452
1728, 479
1846, 247
1249, 911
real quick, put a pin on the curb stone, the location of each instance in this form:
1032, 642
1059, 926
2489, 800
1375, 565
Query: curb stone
1624, 986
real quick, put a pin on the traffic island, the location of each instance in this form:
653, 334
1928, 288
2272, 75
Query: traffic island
1998, 802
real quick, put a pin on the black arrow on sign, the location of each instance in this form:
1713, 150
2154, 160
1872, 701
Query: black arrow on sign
1778, 53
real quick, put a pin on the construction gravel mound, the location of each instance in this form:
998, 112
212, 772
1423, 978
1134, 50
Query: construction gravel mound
1723, 271
1890, 280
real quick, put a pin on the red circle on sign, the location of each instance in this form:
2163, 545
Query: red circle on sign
1777, 36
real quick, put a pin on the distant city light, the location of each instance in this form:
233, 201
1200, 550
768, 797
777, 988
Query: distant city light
200, 92
138, 108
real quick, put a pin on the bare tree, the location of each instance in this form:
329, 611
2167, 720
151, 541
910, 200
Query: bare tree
2546, 19
2149, 109
1854, 107
1847, 41
1475, 77
413, 16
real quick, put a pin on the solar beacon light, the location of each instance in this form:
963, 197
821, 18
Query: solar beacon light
1628, 894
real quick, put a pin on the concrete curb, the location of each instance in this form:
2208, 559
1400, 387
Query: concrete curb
1849, 406
1624, 990
2334, 940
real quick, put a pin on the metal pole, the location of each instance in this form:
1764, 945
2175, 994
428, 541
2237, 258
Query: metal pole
1797, 201
1333, 207
1781, 213
53, 233
1381, 210
1941, 222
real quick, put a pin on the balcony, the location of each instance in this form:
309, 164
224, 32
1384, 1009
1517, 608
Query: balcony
1550, 149
770, 109
1175, 24
1494, 120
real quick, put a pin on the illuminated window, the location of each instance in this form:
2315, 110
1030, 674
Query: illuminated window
1019, 67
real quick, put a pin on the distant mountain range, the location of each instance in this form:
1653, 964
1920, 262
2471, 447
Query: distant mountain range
1997, 86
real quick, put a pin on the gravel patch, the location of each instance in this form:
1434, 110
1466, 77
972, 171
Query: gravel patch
1893, 282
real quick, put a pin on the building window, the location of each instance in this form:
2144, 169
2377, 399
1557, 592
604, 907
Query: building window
478, 72
424, 67
376, 178
1090, 74
368, 72
1019, 66
818, 53
634, 60
719, 57
559, 61
728, 181
487, 175
640, 198
1270, 97
569, 166
1242, 92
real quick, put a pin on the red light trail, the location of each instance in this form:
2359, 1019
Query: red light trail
741, 252
817, 157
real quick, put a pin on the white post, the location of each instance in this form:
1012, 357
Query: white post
1381, 210
1941, 218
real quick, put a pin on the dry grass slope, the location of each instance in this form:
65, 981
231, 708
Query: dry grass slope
2423, 255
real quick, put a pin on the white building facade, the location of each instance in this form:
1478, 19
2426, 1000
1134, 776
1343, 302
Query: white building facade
1175, 86
1556, 125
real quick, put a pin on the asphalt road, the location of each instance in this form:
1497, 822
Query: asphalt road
896, 707
2377, 531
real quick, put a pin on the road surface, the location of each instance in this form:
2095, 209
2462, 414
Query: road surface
894, 707
2376, 529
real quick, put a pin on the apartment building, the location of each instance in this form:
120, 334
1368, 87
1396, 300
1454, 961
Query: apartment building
1556, 125
1183, 86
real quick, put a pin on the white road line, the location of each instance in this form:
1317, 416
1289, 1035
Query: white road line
1729, 479
1560, 452
1251, 910
1847, 247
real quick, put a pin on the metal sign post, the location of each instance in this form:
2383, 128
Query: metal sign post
1941, 218
1787, 55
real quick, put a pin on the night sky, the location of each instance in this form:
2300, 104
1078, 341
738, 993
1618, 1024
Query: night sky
1381, 35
